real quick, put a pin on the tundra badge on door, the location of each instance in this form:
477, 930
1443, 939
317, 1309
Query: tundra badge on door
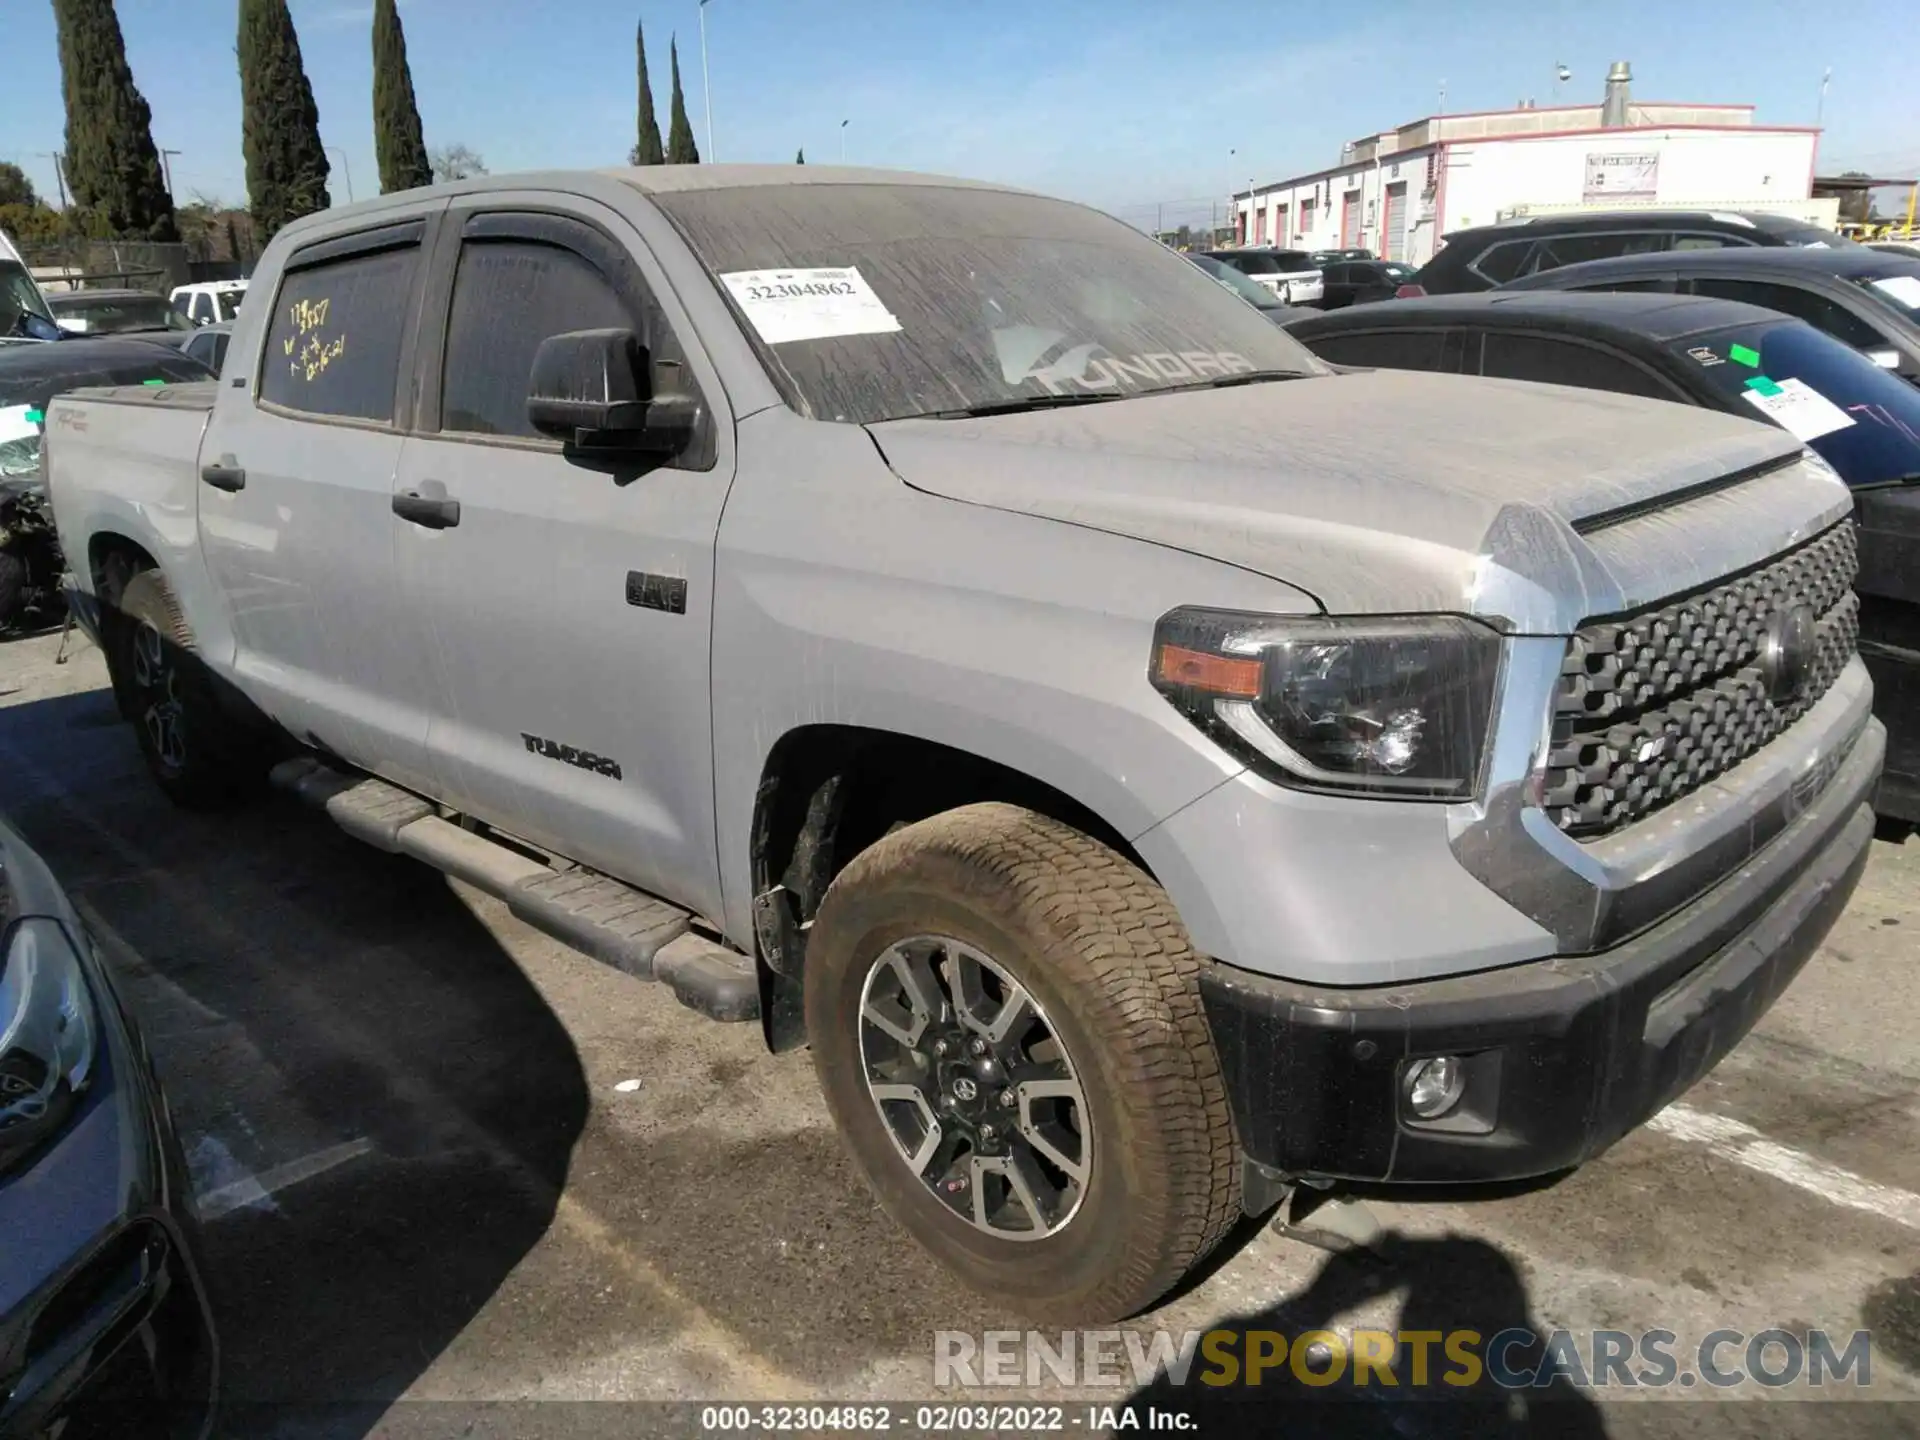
579, 759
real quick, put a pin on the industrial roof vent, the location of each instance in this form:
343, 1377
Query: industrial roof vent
1613, 111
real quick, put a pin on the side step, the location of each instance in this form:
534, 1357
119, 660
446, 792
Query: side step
599, 916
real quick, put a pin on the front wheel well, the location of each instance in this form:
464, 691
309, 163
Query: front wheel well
827, 792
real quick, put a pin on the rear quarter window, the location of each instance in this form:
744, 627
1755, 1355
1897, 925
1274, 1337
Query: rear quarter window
333, 344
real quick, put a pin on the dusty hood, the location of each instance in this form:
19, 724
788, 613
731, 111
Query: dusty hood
1536, 506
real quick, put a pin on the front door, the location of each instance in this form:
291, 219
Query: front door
295, 502
568, 600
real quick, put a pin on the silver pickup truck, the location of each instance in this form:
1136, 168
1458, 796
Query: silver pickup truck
1150, 769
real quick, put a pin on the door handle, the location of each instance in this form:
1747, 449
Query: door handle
432, 511
224, 477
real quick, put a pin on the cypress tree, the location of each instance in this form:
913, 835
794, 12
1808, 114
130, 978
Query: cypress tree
398, 143
680, 147
113, 168
800, 157
648, 151
280, 124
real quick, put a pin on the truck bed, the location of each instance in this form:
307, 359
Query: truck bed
124, 460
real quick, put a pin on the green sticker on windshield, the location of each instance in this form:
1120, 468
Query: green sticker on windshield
1744, 356
153, 382
36, 417
1763, 385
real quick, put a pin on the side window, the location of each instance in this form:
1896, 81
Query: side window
508, 296
1576, 249
1705, 242
1630, 287
333, 345
1562, 362
1808, 305
1337, 275
1384, 349
1501, 263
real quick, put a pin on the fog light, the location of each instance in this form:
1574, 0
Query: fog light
1434, 1086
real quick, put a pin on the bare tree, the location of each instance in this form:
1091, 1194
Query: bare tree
454, 162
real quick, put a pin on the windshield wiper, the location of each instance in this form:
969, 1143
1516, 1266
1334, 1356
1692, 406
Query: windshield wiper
1022, 402
1224, 382
1892, 482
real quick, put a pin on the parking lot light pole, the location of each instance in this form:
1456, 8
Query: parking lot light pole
166, 171
706, 85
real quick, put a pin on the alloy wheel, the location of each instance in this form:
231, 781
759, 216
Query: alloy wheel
975, 1087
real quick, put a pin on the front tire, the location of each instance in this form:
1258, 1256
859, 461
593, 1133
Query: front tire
196, 752
1005, 1017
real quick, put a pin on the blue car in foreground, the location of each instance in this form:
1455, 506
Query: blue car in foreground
104, 1323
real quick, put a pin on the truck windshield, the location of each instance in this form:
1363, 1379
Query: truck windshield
1861, 419
19, 295
879, 302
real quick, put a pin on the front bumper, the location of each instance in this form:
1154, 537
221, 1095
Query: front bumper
1563, 1056
106, 1323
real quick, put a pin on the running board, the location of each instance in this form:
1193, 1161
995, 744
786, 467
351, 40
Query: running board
603, 918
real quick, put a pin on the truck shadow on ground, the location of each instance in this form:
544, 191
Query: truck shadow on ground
302, 991
1449, 1284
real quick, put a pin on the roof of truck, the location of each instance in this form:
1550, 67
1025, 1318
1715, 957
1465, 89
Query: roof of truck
659, 179
1658, 317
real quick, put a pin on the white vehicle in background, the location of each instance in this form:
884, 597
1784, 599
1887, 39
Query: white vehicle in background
210, 301
24, 314
1290, 274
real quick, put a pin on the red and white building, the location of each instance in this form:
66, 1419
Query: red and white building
1396, 193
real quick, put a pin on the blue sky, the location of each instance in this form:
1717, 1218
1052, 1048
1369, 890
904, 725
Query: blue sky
1128, 105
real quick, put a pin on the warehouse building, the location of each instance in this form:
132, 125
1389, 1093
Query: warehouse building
1398, 192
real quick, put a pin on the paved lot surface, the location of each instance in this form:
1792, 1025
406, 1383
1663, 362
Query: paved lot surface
446, 1160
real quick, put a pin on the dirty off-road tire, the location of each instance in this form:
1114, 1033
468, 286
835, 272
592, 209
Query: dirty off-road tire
197, 753
1005, 1017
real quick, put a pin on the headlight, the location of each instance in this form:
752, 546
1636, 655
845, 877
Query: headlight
46, 1036
1394, 707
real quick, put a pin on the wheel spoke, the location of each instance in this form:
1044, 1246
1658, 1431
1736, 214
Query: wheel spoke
1042, 1136
916, 986
901, 1094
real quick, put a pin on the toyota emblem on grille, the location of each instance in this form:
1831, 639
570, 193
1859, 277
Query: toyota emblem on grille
1787, 656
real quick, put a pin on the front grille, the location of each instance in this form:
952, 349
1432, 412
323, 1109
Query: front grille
1655, 705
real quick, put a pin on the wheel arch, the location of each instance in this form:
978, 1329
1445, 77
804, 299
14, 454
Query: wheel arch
827, 791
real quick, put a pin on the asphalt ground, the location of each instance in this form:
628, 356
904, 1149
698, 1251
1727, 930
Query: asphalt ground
456, 1176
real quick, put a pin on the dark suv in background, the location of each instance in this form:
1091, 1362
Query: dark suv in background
1490, 255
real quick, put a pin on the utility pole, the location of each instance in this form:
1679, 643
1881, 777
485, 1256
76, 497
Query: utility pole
59, 172
706, 87
166, 169
1820, 110
346, 171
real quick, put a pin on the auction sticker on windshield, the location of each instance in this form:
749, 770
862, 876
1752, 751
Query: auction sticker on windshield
1797, 408
787, 305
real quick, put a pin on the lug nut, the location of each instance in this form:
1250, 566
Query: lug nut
1008, 1099
940, 1047
977, 1046
988, 1134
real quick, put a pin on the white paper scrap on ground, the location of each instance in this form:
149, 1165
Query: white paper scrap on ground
1800, 410
785, 305
627, 1087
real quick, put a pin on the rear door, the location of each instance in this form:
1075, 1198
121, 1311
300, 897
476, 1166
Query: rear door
295, 500
569, 605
